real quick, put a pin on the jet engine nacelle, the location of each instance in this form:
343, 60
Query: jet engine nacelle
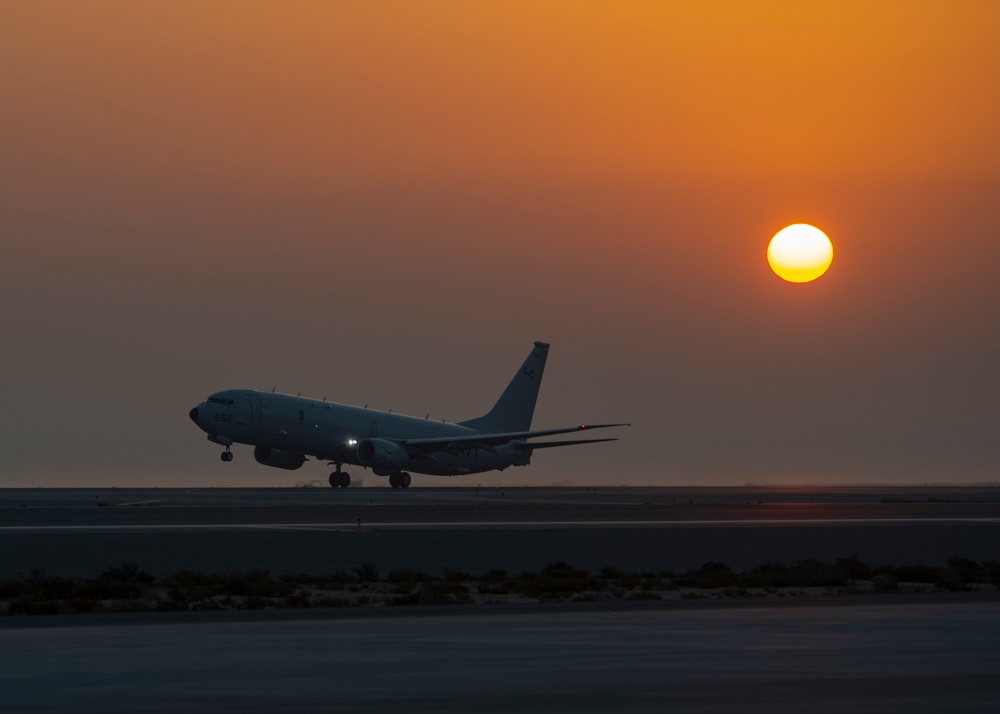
382, 455
277, 458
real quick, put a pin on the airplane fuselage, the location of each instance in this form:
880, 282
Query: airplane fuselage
285, 430
330, 431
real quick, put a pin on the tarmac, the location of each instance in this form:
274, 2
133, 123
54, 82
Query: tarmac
829, 657
882, 653
80, 533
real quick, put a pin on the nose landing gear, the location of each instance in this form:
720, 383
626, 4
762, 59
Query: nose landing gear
227, 455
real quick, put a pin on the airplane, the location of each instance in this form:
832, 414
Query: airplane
285, 429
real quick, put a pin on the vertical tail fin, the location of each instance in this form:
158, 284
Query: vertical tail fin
515, 407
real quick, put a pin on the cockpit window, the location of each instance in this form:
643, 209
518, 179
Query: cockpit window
220, 400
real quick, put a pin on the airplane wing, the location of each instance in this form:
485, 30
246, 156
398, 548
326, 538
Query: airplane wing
489, 441
550, 444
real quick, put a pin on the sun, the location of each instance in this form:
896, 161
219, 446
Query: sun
800, 253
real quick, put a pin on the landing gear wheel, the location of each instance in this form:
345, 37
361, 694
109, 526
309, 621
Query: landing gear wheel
340, 479
226, 455
404, 480
394, 480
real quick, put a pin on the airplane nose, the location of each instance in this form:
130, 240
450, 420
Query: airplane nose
194, 415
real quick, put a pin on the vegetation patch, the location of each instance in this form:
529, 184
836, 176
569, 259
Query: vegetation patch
129, 588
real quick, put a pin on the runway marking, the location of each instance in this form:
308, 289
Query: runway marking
353, 526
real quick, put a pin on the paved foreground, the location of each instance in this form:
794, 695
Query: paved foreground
822, 658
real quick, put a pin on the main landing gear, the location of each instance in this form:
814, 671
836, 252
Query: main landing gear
400, 479
226, 455
340, 479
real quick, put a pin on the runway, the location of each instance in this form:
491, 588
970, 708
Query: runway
827, 658
79, 533
881, 653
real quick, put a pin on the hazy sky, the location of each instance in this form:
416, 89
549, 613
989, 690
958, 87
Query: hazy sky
387, 202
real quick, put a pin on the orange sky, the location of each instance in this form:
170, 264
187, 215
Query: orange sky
329, 182
311, 91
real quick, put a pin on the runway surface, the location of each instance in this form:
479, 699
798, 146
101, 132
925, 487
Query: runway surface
826, 658
81, 532
884, 654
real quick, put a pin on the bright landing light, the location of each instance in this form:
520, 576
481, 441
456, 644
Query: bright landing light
800, 253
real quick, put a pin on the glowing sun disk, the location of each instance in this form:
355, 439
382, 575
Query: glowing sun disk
800, 253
